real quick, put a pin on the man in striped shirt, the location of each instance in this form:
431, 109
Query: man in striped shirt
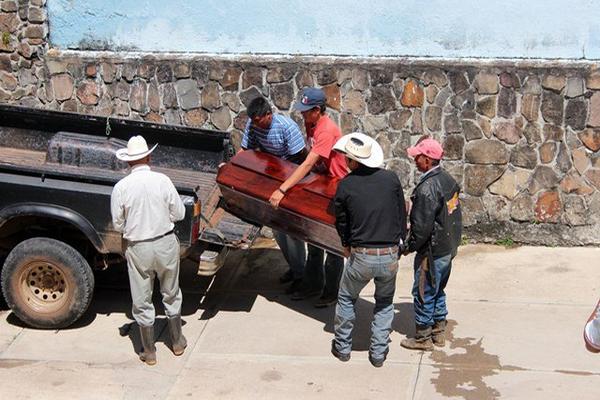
278, 135
272, 133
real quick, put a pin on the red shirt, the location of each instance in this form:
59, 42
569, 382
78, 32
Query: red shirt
321, 137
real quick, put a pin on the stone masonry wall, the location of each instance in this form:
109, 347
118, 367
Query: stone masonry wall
522, 138
23, 41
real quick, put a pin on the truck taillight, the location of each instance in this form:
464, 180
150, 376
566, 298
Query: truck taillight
196, 220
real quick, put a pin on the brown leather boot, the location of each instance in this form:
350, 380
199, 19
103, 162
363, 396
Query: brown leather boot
421, 341
438, 333
178, 341
148, 353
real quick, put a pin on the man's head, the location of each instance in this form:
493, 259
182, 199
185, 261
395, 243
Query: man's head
260, 113
427, 154
360, 149
136, 152
311, 104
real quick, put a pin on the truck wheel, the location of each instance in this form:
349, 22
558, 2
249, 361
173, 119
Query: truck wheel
47, 283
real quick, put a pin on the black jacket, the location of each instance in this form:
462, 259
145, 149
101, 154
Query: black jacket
435, 217
370, 209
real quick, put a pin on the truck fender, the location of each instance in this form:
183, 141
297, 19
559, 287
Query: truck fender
57, 212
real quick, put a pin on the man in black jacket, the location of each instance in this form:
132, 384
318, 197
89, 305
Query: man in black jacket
435, 233
371, 221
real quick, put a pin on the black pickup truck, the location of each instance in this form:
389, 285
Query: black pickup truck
57, 171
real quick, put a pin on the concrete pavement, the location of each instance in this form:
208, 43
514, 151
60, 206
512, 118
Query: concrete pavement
515, 332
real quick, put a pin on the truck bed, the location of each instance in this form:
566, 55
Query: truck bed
217, 226
189, 156
35, 162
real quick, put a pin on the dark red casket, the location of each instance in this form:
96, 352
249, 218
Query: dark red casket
306, 212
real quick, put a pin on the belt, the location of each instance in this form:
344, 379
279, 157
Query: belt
375, 251
151, 239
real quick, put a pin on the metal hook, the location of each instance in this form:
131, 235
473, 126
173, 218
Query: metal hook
107, 131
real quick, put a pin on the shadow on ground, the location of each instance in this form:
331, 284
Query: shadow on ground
256, 272
245, 276
111, 295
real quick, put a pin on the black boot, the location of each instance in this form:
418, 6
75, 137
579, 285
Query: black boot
438, 333
421, 341
148, 353
178, 341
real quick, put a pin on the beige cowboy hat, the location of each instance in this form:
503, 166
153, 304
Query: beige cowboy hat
137, 148
362, 148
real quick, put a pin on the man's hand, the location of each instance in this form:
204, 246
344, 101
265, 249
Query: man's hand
347, 251
276, 198
403, 249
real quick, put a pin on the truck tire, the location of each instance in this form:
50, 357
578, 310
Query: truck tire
47, 283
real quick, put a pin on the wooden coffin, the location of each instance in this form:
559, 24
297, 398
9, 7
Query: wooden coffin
306, 212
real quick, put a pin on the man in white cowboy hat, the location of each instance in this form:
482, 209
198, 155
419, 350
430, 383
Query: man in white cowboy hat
371, 221
144, 207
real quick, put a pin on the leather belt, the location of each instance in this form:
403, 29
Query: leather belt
151, 239
375, 251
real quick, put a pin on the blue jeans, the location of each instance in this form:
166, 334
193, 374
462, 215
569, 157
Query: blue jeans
323, 277
293, 251
359, 270
432, 307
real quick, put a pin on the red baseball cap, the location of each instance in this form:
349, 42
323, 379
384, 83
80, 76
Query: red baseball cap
428, 147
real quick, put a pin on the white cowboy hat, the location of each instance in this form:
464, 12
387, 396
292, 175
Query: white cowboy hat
137, 148
361, 148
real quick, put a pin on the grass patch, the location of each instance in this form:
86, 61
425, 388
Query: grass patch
506, 242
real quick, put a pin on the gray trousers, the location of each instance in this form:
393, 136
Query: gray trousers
145, 260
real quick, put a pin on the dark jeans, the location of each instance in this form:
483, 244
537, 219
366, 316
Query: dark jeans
432, 307
323, 277
293, 251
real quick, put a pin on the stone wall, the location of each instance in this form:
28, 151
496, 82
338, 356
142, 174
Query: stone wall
23, 41
521, 137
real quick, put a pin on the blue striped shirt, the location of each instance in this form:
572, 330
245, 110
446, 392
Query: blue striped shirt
283, 139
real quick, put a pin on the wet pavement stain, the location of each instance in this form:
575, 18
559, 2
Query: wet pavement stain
559, 269
15, 363
462, 374
270, 376
578, 373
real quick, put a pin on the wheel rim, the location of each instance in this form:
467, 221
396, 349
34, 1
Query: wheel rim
44, 286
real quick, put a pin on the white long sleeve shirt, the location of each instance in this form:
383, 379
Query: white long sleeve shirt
145, 204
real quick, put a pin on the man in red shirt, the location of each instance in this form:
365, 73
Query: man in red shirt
322, 133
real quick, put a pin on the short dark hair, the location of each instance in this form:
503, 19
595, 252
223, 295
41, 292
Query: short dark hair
258, 107
321, 107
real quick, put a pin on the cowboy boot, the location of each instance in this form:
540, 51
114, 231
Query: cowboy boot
178, 341
148, 353
438, 333
421, 341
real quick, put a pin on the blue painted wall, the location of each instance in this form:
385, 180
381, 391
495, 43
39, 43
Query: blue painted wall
438, 28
